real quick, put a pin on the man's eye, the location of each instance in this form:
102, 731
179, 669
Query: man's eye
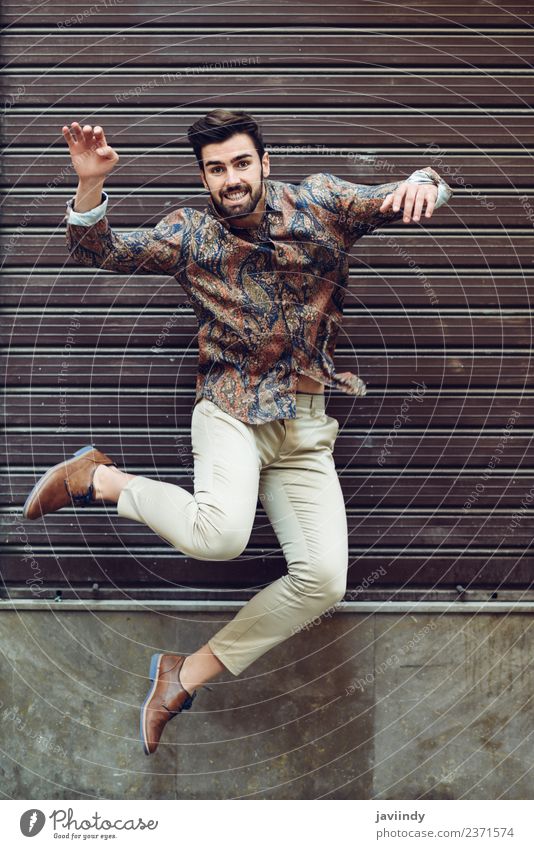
244, 162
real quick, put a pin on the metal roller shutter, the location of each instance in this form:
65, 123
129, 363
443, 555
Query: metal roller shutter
368, 91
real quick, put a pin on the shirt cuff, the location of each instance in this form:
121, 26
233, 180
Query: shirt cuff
444, 190
86, 219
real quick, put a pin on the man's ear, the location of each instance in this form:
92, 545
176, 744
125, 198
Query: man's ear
266, 165
203, 177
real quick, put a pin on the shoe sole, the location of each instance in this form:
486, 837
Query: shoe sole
153, 674
40, 483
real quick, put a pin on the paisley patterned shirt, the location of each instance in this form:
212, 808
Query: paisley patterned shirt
269, 302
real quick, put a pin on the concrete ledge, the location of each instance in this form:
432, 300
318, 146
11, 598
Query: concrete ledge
194, 606
392, 704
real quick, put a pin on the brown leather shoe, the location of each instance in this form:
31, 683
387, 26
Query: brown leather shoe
165, 699
67, 483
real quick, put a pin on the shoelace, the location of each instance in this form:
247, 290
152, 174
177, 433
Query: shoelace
189, 701
81, 499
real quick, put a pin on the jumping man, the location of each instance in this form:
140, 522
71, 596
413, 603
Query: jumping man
265, 268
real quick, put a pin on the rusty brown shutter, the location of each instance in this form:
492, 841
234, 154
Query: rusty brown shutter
436, 461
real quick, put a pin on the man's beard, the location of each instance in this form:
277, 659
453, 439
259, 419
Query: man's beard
250, 202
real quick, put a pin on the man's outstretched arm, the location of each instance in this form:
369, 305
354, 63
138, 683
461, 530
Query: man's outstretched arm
361, 208
90, 239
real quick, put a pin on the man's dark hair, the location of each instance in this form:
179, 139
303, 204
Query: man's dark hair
222, 124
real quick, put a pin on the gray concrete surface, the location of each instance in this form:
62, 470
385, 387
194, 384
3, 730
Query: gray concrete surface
360, 706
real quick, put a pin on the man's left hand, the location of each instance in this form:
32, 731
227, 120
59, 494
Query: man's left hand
412, 198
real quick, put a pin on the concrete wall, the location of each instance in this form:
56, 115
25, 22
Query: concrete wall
361, 706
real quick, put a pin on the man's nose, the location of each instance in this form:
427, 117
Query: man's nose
233, 178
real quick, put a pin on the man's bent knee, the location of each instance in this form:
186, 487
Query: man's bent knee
226, 550
324, 585
223, 545
335, 593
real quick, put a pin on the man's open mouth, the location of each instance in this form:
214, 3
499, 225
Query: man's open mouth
236, 195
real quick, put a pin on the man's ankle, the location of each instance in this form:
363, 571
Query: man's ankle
184, 677
107, 484
97, 482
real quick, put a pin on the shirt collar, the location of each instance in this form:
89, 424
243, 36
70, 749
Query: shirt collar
273, 200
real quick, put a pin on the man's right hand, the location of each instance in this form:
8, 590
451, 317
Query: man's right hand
93, 159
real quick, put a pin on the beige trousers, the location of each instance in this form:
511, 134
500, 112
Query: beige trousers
289, 465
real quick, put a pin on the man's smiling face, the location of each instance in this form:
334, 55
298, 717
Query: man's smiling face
233, 173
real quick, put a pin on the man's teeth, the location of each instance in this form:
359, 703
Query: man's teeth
236, 195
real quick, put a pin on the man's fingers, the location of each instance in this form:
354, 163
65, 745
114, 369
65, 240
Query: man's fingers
394, 199
67, 135
76, 131
420, 198
100, 137
411, 192
431, 199
88, 134
398, 196
386, 203
411, 197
